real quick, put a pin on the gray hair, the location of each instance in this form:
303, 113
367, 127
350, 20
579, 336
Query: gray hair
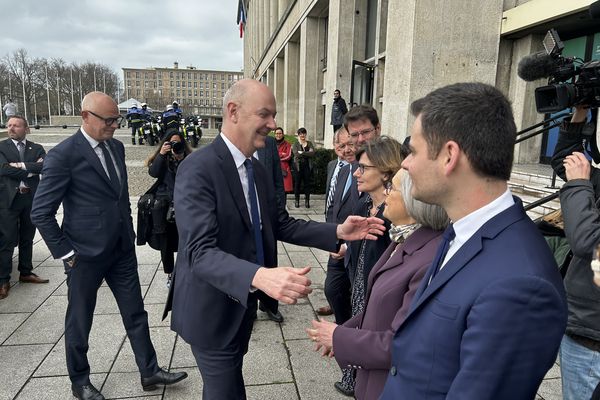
428, 215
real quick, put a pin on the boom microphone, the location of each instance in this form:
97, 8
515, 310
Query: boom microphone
536, 66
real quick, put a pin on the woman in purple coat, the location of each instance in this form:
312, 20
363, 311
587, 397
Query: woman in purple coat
364, 341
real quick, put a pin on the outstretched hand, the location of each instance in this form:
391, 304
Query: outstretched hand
358, 228
283, 283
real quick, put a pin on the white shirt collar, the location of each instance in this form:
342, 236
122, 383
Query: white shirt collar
238, 156
468, 225
93, 142
16, 141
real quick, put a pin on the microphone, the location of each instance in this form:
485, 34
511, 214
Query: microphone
595, 10
536, 66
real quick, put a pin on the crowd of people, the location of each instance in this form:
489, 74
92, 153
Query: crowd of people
440, 285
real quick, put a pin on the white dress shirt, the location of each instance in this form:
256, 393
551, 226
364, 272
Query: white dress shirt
468, 225
23, 167
238, 159
95, 146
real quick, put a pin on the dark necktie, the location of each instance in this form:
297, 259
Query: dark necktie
21, 148
448, 236
110, 166
258, 241
332, 186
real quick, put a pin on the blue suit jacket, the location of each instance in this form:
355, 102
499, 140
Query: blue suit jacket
490, 323
216, 260
96, 216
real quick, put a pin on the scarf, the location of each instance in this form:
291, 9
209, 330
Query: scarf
400, 233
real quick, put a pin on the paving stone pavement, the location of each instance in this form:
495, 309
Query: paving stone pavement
280, 364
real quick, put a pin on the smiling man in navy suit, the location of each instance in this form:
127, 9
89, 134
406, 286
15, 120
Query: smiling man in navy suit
86, 173
228, 244
488, 318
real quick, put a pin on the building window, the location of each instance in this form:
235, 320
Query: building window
159, 83
214, 77
189, 93
201, 93
214, 85
159, 75
371, 28
172, 84
178, 84
178, 92
137, 75
222, 86
137, 83
195, 84
195, 75
195, 92
189, 84
171, 74
229, 77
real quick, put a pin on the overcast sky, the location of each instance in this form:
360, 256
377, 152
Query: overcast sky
125, 33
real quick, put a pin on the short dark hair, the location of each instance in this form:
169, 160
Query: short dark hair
301, 130
475, 115
358, 113
279, 129
22, 118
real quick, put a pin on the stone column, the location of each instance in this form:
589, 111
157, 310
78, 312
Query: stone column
278, 89
339, 57
431, 44
290, 93
521, 95
282, 6
309, 92
273, 16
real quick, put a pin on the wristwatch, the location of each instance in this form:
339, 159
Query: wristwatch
70, 261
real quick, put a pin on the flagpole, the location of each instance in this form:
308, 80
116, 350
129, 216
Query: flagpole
72, 95
57, 91
48, 93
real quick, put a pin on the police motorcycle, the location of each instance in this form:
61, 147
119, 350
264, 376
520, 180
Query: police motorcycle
152, 131
191, 130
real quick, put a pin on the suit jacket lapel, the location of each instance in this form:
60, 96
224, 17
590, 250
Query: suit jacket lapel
12, 150
466, 253
91, 156
120, 165
232, 178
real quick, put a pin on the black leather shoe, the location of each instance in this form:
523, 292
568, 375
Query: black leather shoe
86, 392
162, 377
273, 316
340, 388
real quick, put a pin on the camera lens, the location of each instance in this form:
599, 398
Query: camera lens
177, 147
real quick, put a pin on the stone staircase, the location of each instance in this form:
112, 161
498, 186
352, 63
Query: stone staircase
532, 182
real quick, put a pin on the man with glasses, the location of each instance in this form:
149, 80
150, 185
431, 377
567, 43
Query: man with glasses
87, 174
20, 166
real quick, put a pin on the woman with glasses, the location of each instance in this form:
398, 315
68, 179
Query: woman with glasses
378, 161
363, 343
304, 151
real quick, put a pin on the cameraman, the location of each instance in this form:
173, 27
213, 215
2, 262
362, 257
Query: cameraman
163, 165
580, 347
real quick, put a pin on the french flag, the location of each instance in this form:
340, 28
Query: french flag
241, 17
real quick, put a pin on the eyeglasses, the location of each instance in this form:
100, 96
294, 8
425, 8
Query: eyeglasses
364, 132
361, 167
108, 121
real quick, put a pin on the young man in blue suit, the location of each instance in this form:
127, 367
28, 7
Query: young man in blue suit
86, 173
228, 245
488, 318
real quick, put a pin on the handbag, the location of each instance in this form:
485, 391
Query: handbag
144, 221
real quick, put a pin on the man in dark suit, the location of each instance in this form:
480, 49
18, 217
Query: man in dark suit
489, 315
20, 165
269, 158
337, 284
86, 173
232, 226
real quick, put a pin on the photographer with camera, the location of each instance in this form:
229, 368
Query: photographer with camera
580, 347
163, 165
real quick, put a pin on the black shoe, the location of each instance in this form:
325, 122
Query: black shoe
86, 392
273, 316
340, 388
162, 377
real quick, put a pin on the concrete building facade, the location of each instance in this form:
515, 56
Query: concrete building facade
198, 92
388, 53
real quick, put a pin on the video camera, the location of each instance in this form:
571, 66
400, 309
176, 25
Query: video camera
584, 85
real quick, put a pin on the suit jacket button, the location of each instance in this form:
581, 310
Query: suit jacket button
393, 371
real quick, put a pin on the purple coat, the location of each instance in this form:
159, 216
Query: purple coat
364, 341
